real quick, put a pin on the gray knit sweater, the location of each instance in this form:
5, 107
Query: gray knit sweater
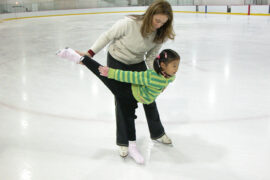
127, 44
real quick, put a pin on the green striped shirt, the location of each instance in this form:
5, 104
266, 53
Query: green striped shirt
146, 85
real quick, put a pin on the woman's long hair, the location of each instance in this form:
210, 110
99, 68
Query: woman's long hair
166, 56
164, 32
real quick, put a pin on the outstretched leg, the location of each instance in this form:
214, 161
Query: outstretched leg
119, 89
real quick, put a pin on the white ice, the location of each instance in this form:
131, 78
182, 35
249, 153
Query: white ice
57, 119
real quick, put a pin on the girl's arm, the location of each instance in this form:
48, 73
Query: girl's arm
133, 77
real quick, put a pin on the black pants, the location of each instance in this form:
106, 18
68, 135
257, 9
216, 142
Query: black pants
123, 93
125, 122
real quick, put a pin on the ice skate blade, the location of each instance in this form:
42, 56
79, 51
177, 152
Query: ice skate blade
57, 52
123, 156
166, 144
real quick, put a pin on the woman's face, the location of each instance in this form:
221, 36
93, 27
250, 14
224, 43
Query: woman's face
159, 20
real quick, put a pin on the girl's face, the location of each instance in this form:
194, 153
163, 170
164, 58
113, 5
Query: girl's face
159, 20
170, 68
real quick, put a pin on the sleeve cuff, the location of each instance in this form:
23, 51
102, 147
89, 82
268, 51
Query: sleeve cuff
111, 73
91, 52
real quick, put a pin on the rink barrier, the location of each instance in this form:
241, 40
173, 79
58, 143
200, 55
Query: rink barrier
257, 10
262, 10
54, 15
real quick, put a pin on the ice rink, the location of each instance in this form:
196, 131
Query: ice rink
57, 119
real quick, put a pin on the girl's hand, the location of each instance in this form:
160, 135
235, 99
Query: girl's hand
103, 70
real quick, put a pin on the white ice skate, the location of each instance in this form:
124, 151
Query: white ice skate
123, 151
134, 153
164, 139
69, 54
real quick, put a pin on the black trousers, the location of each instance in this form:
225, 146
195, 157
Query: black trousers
126, 107
125, 125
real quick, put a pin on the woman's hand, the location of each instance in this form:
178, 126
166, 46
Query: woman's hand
83, 54
103, 70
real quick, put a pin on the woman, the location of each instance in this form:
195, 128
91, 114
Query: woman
134, 42
131, 86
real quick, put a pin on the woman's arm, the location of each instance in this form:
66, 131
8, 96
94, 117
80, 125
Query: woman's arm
117, 31
151, 55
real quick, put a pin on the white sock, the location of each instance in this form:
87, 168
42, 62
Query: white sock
134, 153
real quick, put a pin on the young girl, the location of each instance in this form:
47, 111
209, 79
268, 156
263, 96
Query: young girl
132, 86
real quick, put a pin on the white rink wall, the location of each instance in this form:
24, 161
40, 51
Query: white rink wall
185, 8
259, 9
221, 9
254, 9
136, 2
239, 9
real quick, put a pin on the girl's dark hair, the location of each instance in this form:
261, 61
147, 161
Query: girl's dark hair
166, 56
164, 32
